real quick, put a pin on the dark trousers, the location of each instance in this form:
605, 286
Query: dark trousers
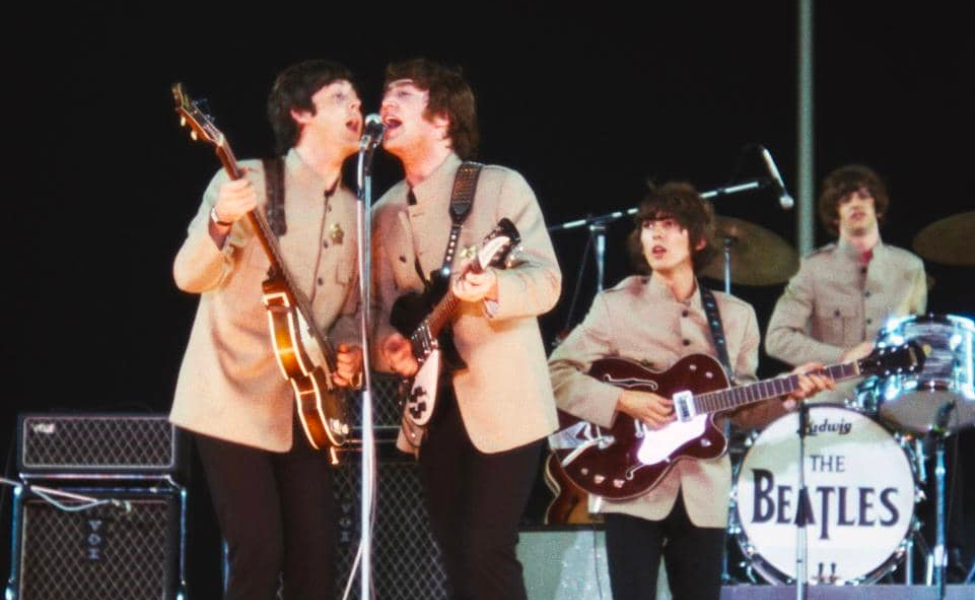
692, 556
277, 514
475, 501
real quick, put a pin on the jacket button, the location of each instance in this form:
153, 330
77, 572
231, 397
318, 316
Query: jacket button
685, 313
687, 342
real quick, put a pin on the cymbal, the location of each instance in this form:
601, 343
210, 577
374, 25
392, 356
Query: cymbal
758, 256
949, 241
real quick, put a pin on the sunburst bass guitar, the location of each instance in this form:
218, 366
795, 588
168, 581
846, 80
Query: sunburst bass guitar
321, 404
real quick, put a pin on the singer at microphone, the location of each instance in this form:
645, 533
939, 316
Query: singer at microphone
785, 200
267, 465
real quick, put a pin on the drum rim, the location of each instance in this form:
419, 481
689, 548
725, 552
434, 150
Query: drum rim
930, 317
773, 575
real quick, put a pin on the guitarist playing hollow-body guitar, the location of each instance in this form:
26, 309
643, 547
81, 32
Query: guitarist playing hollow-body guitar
656, 320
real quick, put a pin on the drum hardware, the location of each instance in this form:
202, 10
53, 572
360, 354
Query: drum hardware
946, 385
940, 432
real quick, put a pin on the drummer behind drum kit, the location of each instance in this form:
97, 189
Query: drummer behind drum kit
864, 462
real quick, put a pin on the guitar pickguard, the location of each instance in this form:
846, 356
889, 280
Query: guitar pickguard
420, 402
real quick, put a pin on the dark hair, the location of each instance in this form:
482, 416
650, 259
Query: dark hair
450, 95
844, 181
293, 90
681, 202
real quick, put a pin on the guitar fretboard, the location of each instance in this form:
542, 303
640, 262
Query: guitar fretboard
269, 242
763, 390
442, 312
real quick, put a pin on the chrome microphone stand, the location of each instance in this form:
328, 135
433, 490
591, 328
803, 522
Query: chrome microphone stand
368, 456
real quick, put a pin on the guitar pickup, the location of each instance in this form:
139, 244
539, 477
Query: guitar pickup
684, 405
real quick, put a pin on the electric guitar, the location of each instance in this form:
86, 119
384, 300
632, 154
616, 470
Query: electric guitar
321, 404
631, 458
424, 319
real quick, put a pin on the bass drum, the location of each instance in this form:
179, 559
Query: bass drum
945, 389
861, 498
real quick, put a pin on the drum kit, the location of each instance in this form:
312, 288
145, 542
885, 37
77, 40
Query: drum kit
865, 460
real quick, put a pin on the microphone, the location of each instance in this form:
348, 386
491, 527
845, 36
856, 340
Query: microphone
785, 200
372, 132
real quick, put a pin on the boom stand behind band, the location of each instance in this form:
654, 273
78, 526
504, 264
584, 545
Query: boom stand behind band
597, 233
368, 456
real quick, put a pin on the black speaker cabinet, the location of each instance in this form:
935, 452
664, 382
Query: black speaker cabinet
406, 562
129, 549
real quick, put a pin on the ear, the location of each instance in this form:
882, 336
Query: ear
441, 121
301, 116
700, 245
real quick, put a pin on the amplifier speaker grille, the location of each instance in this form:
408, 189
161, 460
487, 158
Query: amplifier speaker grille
406, 561
97, 444
102, 552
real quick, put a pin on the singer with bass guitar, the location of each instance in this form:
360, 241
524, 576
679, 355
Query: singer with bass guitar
268, 470
655, 321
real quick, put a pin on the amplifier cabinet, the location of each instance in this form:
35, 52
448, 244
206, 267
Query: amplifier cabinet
129, 549
98, 444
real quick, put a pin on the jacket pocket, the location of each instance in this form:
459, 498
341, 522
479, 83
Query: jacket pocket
839, 325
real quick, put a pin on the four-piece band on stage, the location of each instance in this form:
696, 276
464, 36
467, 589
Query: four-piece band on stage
634, 408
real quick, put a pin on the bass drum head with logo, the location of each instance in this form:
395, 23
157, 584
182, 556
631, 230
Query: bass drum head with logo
861, 496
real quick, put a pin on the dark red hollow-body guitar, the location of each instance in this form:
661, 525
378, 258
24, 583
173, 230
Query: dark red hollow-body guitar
630, 459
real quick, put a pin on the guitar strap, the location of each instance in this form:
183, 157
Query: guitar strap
461, 202
717, 329
274, 189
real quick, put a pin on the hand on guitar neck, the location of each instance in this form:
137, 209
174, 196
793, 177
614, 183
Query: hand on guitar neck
472, 285
235, 199
812, 380
475, 284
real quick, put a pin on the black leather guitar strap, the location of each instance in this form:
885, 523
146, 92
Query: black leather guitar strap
717, 329
461, 203
274, 189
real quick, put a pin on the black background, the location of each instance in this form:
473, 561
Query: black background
586, 104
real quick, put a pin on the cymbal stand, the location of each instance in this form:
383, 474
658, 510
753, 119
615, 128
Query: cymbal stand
940, 432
